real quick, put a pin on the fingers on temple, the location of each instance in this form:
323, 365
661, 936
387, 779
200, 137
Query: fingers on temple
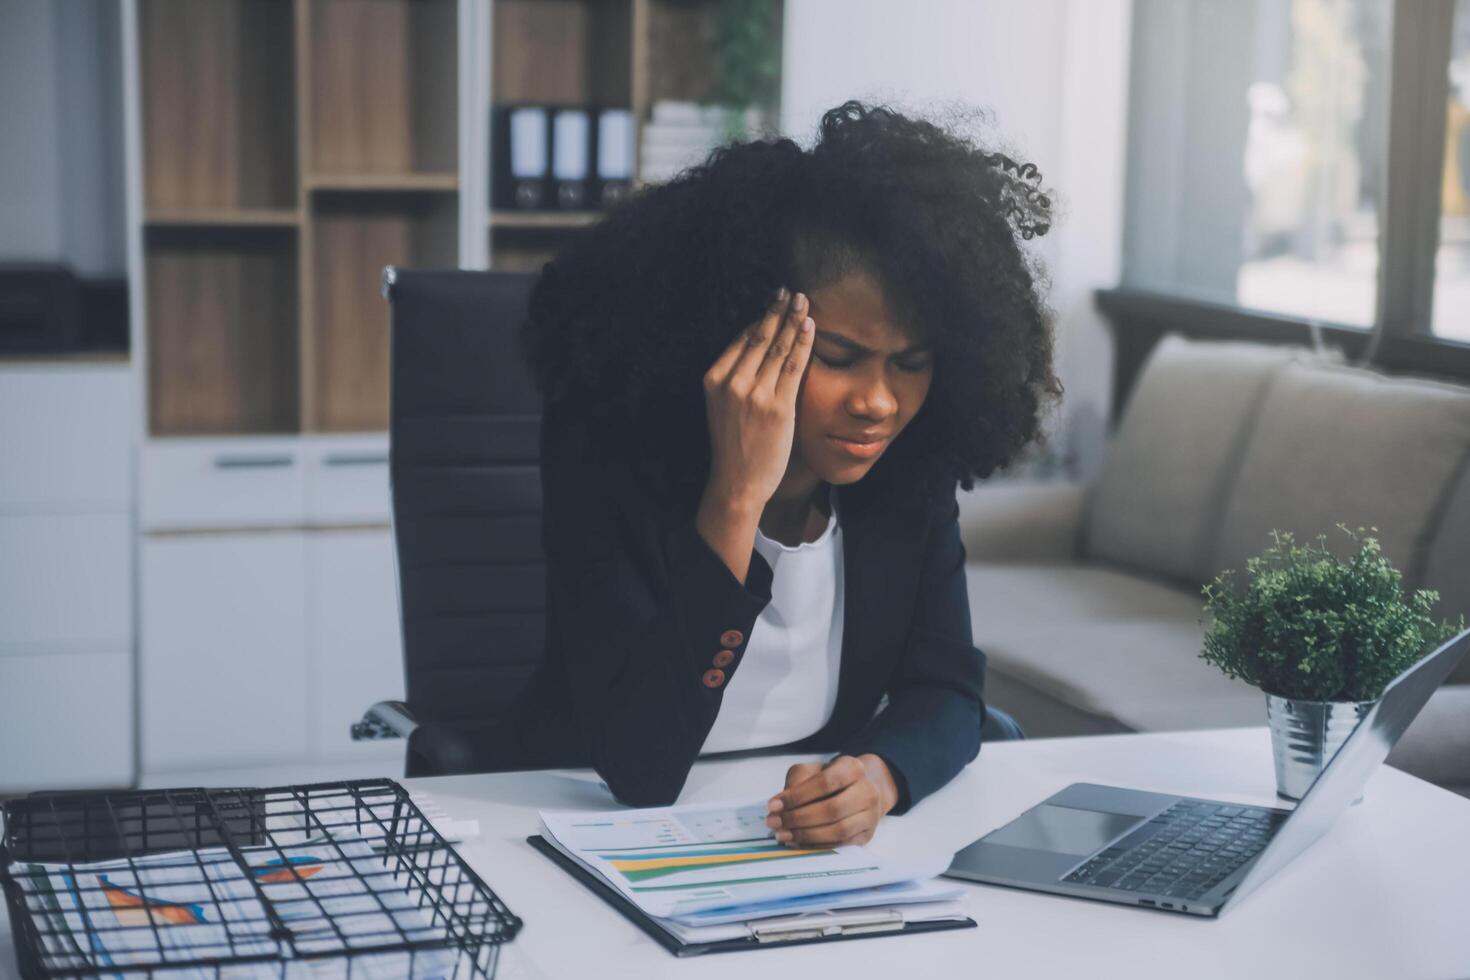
784, 342
723, 364
791, 368
752, 343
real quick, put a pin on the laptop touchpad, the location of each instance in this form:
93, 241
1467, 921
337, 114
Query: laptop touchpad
1063, 828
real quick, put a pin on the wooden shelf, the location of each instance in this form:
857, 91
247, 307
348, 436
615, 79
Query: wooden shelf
562, 52
222, 330
544, 219
354, 236
219, 116
447, 182
292, 148
383, 91
223, 217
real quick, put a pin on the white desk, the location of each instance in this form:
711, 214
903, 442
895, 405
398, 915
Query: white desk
1386, 894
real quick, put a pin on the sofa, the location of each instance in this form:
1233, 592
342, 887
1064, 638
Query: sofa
1086, 597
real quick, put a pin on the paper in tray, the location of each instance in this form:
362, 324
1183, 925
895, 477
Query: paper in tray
320, 880
331, 895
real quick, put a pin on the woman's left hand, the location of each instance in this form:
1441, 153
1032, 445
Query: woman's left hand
837, 803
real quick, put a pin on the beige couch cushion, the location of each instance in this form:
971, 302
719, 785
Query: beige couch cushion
1344, 445
1105, 643
1156, 506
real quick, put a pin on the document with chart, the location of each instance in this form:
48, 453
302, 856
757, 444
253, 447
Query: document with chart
180, 911
683, 862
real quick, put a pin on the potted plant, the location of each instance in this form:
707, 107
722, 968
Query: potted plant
1321, 636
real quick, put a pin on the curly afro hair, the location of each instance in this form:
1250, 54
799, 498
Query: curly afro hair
625, 321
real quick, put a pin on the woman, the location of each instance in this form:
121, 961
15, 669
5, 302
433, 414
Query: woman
763, 382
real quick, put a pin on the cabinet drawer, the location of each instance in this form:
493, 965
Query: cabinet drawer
200, 484
347, 479
65, 580
66, 437
66, 721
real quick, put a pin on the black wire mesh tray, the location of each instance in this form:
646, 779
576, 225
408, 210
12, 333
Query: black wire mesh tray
326, 880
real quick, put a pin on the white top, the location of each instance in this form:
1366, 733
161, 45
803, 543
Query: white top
786, 683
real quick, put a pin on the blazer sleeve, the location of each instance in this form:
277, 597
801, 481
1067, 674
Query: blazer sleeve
930, 729
638, 632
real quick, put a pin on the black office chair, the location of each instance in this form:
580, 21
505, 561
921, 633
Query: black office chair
464, 447
464, 458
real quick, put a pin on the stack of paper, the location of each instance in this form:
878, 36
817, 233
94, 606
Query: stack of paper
681, 134
716, 871
333, 895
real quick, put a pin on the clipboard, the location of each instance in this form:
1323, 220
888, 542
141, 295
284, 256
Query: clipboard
775, 938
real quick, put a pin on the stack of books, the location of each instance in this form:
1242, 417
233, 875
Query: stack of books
680, 135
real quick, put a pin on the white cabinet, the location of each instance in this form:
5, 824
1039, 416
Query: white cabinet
209, 484
65, 582
66, 437
224, 650
356, 638
66, 721
269, 602
66, 576
346, 480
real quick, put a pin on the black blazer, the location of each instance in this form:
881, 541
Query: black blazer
638, 605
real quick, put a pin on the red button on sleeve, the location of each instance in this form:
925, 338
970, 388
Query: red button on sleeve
731, 638
714, 678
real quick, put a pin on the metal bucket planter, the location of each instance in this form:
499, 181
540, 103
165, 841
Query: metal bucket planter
1305, 735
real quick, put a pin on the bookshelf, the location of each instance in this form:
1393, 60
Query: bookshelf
280, 153
289, 149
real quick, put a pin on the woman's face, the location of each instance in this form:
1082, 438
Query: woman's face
864, 384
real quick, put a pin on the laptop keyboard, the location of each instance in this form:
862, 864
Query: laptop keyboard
1190, 848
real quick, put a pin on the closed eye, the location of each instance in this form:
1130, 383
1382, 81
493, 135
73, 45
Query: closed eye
837, 361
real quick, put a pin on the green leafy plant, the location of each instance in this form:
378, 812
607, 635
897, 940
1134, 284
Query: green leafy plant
1313, 627
748, 47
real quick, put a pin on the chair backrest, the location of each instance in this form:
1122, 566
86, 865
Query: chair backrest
465, 468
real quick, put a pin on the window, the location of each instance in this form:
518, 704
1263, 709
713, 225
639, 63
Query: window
1258, 135
1304, 159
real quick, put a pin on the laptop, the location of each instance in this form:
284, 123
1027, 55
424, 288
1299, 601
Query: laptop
1188, 855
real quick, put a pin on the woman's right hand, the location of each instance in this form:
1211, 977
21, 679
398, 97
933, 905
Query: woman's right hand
750, 403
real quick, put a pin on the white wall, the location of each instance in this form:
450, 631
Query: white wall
1053, 75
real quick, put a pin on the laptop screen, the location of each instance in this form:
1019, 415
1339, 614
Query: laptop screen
1343, 778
